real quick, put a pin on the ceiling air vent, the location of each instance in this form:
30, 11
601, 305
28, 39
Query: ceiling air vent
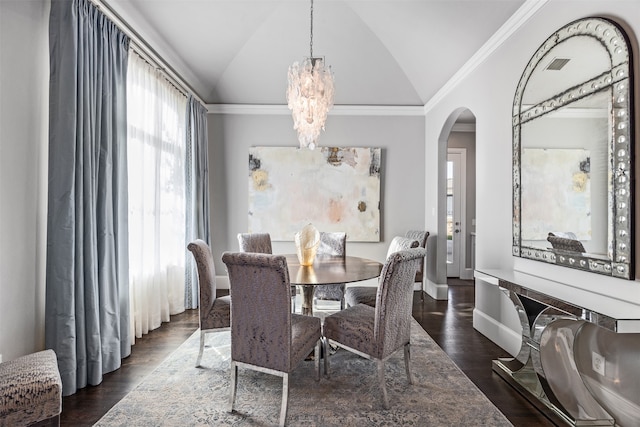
557, 64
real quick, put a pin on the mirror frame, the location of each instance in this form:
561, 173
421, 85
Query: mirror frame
618, 78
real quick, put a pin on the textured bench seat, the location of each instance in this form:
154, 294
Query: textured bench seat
30, 391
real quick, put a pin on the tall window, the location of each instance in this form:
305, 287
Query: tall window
156, 115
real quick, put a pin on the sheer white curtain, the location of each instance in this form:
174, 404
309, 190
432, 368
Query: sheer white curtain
156, 149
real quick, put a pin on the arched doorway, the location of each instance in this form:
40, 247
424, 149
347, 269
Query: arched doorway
456, 193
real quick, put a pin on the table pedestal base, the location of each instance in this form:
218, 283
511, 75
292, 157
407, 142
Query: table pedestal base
307, 300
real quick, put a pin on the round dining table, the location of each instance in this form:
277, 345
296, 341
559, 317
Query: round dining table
328, 270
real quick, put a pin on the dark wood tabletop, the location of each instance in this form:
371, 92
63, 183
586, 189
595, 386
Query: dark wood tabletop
329, 269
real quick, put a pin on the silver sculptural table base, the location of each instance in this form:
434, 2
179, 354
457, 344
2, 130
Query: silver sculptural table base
544, 370
552, 369
528, 383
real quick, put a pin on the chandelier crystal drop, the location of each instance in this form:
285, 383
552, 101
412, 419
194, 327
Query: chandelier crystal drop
310, 95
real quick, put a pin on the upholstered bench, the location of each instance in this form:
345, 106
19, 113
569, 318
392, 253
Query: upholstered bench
31, 391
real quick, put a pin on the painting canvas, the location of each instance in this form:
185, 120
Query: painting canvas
333, 188
556, 192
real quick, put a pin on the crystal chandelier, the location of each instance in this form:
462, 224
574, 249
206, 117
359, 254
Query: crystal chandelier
310, 95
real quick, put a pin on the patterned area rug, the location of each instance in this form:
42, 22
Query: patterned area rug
178, 394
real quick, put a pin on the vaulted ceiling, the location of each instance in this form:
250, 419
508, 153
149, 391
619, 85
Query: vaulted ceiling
382, 52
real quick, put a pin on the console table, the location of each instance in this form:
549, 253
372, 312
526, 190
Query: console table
547, 371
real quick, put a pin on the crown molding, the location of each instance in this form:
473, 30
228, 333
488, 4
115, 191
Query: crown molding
517, 20
337, 110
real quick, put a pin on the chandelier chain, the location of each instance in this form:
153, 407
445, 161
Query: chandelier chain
311, 36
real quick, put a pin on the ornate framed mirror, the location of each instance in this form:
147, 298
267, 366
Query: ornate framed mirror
572, 151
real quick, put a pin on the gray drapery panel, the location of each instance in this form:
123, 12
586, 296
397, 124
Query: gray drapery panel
197, 171
87, 284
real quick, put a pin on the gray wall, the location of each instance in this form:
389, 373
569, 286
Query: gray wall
402, 184
488, 93
24, 87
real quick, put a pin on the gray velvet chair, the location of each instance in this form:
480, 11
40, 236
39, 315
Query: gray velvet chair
355, 295
378, 332
265, 335
421, 237
261, 243
214, 312
566, 241
331, 243
255, 242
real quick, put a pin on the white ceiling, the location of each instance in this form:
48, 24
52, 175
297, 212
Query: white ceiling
382, 52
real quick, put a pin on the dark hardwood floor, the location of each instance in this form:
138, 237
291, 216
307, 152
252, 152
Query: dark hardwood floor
89, 404
448, 322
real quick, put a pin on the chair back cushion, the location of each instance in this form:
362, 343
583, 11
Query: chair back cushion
400, 243
565, 244
421, 237
394, 300
206, 276
260, 309
255, 242
332, 243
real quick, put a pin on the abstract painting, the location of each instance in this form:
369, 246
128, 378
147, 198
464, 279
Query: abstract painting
333, 188
556, 192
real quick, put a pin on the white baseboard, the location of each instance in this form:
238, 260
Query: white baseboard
437, 291
466, 274
370, 282
501, 335
222, 282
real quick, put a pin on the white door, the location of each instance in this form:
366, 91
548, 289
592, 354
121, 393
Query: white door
456, 159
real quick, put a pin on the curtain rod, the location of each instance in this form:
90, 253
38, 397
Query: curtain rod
146, 51
135, 49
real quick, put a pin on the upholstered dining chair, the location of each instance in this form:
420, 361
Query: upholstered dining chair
214, 312
265, 335
331, 243
255, 242
566, 241
421, 237
378, 332
261, 243
355, 295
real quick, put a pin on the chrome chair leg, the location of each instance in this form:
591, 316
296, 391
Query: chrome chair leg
407, 362
316, 358
234, 385
383, 386
202, 339
285, 399
325, 348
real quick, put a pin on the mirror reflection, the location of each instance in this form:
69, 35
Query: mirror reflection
572, 164
564, 167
